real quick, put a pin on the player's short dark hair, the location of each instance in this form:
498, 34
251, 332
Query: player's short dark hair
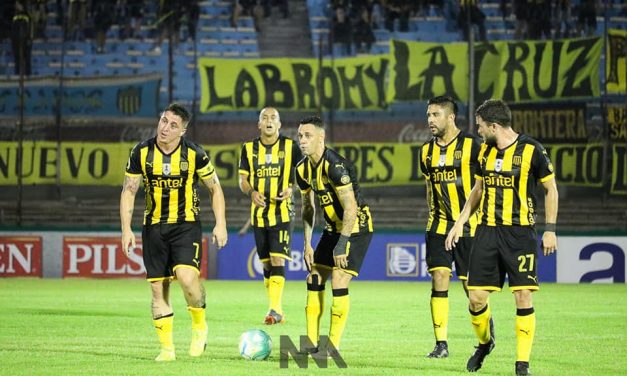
315, 120
445, 101
495, 111
180, 111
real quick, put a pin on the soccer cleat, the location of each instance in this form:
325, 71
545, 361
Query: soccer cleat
273, 318
199, 342
325, 354
166, 355
522, 369
476, 360
439, 351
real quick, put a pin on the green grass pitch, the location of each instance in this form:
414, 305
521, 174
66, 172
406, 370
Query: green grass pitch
103, 327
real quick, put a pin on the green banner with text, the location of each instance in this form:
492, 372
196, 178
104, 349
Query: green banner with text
515, 71
377, 164
355, 83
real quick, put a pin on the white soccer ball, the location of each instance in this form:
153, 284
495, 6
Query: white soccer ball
255, 344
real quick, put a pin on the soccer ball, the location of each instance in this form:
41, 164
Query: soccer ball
255, 344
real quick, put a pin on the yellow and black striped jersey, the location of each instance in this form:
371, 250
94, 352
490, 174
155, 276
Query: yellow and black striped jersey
450, 171
170, 180
331, 174
270, 170
510, 177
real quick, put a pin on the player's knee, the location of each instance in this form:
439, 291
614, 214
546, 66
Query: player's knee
314, 278
441, 276
186, 277
477, 301
277, 261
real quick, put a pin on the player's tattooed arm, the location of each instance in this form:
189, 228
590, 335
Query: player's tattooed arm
347, 199
220, 235
127, 203
308, 214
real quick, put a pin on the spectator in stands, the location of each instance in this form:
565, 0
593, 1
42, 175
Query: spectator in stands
76, 24
364, 36
521, 12
168, 22
469, 11
7, 10
539, 19
39, 17
587, 17
563, 22
191, 13
21, 39
132, 14
104, 13
249, 7
341, 31
267, 7
394, 9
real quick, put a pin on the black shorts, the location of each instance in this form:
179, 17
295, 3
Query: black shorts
273, 241
439, 258
504, 250
357, 248
169, 246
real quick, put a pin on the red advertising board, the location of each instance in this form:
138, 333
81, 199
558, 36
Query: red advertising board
20, 256
102, 257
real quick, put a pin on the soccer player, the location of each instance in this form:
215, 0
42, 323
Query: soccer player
346, 236
448, 162
266, 174
511, 165
172, 168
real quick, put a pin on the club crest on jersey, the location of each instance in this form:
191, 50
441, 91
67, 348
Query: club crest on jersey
458, 154
517, 161
281, 154
167, 169
442, 160
184, 166
345, 179
498, 165
268, 158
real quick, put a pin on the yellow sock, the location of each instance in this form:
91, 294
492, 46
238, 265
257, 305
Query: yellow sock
525, 331
481, 323
164, 325
275, 288
198, 318
339, 315
439, 314
313, 311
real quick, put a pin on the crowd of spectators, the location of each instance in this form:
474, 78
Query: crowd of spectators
544, 19
92, 19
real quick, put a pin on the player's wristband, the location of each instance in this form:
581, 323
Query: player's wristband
340, 247
550, 227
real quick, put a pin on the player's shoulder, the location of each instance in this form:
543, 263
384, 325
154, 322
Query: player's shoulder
333, 157
149, 142
428, 142
526, 139
253, 141
192, 145
302, 162
463, 135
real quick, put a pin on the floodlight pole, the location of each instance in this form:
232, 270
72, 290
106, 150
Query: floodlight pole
170, 67
20, 135
471, 70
